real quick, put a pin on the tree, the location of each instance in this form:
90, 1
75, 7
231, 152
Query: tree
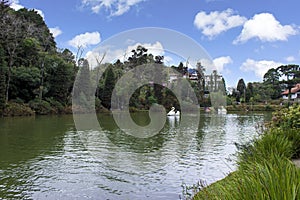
139, 56
59, 79
12, 36
271, 81
24, 83
249, 91
109, 84
159, 59
290, 75
3, 68
271, 77
181, 69
241, 88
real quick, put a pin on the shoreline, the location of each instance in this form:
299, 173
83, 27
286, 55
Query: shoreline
268, 162
14, 109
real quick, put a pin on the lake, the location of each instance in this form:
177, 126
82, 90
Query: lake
44, 157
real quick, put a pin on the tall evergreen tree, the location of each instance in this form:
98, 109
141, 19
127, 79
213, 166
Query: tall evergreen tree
108, 88
3, 69
241, 88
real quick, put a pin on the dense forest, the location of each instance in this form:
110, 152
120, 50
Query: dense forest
32, 70
37, 77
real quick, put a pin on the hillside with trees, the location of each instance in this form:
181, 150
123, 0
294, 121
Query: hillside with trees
38, 78
32, 70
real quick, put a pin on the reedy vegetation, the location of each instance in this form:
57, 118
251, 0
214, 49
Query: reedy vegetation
265, 169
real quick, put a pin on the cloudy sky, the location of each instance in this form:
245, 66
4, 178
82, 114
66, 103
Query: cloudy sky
243, 38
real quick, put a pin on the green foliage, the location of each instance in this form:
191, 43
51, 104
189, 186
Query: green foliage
272, 143
3, 71
218, 99
109, 84
30, 65
265, 170
17, 109
287, 118
57, 107
241, 88
24, 83
41, 107
60, 77
275, 178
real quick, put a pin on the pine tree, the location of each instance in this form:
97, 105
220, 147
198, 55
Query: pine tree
3, 68
109, 84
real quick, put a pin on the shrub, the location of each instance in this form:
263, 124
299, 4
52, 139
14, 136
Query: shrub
41, 107
56, 105
287, 118
16, 109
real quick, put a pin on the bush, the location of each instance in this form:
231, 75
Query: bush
56, 105
16, 109
41, 107
287, 118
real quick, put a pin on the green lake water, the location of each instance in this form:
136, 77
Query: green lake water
44, 157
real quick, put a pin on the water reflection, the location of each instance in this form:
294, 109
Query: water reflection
44, 158
144, 154
24, 140
173, 121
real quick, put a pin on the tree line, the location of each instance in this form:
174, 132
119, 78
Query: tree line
32, 69
37, 75
275, 81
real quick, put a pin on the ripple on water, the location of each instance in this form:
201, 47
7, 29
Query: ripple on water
115, 167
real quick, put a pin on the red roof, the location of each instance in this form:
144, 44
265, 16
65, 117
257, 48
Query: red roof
294, 89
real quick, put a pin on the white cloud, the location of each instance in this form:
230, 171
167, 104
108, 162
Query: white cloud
214, 23
290, 59
265, 27
259, 67
85, 39
168, 60
221, 62
55, 31
115, 7
112, 55
40, 13
216, 64
14, 4
154, 49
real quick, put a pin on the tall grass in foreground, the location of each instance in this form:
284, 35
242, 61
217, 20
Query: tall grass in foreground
273, 179
265, 170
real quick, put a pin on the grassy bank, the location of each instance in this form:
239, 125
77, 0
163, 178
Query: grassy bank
258, 107
42, 107
265, 169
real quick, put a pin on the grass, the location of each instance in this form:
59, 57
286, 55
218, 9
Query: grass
265, 170
274, 179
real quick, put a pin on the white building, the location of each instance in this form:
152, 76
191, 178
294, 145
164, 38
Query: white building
295, 93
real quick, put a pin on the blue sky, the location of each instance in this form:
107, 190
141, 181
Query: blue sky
243, 38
